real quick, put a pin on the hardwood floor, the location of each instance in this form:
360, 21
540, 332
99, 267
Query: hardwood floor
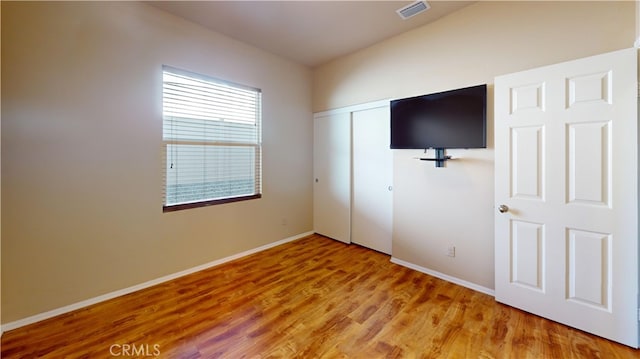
311, 298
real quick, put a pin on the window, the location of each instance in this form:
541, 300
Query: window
211, 140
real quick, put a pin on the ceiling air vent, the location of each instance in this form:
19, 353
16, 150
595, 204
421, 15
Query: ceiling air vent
413, 9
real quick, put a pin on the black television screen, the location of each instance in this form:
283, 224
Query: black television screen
450, 119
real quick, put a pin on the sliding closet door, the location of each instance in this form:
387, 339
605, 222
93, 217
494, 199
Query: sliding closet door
332, 176
372, 201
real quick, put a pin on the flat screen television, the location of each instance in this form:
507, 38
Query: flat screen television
449, 119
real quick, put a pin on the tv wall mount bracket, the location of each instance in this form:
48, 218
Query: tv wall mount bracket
440, 158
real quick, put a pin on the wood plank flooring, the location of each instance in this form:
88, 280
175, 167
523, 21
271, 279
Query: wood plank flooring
311, 298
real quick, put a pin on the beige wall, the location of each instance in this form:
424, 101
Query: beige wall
81, 151
435, 208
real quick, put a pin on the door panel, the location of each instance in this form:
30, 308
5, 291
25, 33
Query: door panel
589, 268
332, 176
527, 162
372, 179
589, 148
566, 165
527, 255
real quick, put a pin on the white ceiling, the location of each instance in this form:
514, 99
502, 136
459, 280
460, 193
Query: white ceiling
307, 32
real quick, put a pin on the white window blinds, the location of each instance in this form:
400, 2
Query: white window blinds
211, 140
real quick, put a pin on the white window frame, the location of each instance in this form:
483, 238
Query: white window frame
208, 134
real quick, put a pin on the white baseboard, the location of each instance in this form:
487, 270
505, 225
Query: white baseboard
85, 303
448, 278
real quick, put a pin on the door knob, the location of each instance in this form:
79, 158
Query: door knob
503, 208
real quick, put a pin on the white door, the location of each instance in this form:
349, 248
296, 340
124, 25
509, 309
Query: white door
566, 167
371, 211
332, 176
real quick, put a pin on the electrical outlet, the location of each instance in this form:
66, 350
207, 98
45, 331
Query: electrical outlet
451, 251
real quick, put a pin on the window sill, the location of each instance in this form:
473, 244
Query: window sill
179, 207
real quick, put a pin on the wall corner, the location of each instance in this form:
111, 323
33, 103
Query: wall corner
636, 44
